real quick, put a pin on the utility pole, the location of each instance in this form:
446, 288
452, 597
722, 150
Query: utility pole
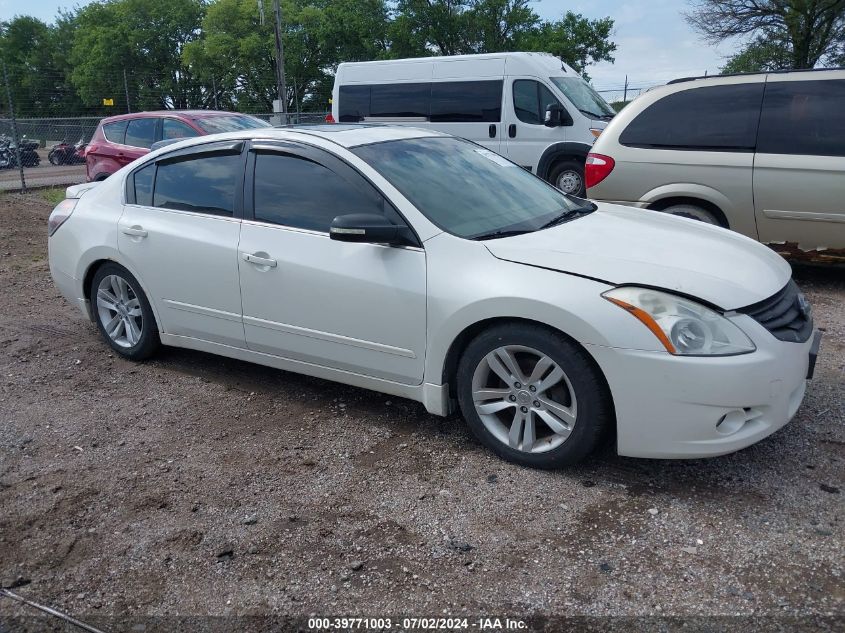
126, 90
214, 89
625, 94
280, 60
14, 127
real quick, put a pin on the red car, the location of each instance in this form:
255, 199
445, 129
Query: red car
121, 139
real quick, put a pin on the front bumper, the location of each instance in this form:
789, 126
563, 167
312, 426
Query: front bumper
676, 407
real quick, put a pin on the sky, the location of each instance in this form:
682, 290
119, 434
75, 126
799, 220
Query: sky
654, 42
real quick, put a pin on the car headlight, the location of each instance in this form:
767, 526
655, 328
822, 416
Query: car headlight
684, 327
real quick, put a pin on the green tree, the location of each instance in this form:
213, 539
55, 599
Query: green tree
144, 38
784, 33
32, 52
577, 40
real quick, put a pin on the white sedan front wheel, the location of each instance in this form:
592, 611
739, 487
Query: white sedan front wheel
533, 396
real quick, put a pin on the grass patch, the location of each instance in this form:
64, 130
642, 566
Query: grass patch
53, 195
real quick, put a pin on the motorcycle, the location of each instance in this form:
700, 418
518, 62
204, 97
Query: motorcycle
9, 155
66, 154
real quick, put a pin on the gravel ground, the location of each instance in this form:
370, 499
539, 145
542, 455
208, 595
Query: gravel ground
197, 485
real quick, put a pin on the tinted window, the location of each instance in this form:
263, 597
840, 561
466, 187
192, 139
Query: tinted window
300, 193
466, 101
400, 100
354, 103
710, 118
803, 117
115, 132
172, 128
144, 185
141, 132
206, 184
530, 100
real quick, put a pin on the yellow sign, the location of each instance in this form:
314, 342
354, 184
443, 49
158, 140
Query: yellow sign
108, 102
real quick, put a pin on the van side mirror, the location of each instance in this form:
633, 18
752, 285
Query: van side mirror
556, 116
365, 227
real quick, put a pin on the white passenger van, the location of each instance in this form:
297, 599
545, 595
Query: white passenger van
530, 107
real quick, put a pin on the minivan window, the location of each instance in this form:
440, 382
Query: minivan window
584, 97
206, 184
714, 118
141, 132
400, 100
530, 101
296, 192
465, 101
466, 189
803, 117
115, 132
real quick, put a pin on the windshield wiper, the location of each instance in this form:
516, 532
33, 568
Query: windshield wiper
593, 115
568, 214
497, 234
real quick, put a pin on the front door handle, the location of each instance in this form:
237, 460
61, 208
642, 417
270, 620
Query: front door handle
259, 261
512, 130
134, 231
491, 131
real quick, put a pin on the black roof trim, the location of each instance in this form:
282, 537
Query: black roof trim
681, 80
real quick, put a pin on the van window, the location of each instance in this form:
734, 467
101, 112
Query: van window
713, 118
530, 101
439, 102
464, 101
803, 117
400, 100
354, 103
584, 97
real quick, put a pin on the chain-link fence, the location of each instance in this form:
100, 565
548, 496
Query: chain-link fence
37, 136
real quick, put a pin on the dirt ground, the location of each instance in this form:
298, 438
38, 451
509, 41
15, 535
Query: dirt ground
196, 485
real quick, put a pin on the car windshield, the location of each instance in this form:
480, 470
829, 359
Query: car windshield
468, 190
229, 123
583, 97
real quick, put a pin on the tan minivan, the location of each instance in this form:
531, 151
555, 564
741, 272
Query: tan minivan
762, 154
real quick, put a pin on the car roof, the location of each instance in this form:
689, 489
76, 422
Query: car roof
179, 114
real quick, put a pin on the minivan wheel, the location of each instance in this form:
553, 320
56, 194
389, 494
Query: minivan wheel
532, 396
693, 212
123, 314
568, 176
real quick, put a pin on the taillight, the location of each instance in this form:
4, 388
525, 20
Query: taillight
330, 118
60, 214
597, 168
90, 149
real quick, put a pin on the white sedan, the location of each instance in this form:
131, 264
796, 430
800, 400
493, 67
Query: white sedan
424, 266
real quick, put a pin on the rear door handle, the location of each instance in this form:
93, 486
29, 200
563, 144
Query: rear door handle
134, 231
512, 130
259, 261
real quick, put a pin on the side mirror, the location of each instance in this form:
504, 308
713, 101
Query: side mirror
556, 116
365, 227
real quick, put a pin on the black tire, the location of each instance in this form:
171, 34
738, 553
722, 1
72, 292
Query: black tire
148, 342
595, 415
572, 169
55, 158
101, 177
694, 212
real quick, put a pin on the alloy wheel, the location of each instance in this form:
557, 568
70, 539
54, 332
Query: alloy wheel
524, 399
119, 311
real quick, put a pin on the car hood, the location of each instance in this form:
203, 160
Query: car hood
624, 245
